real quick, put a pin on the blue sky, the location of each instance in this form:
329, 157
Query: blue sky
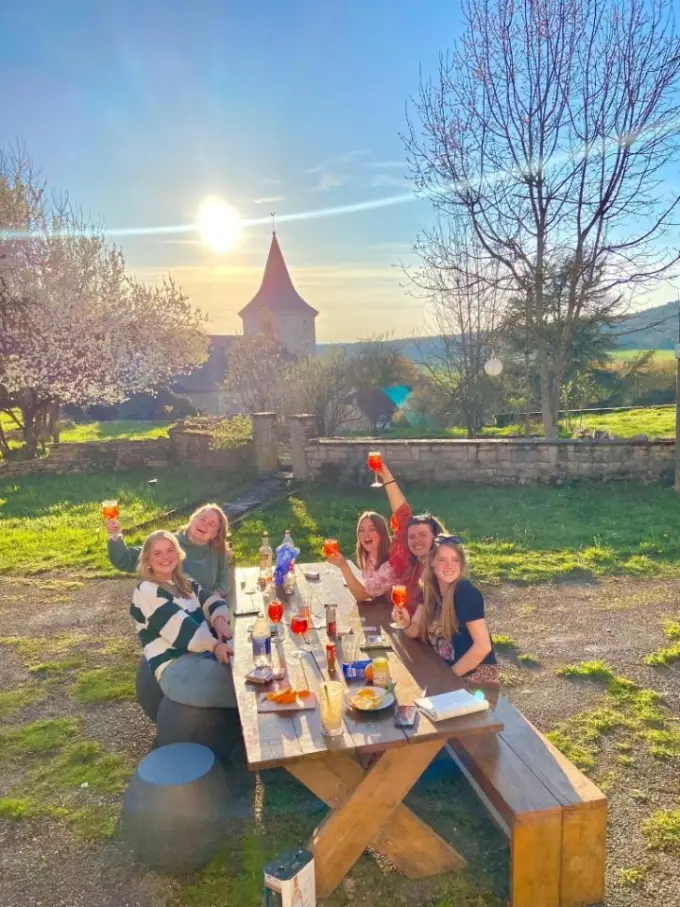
141, 109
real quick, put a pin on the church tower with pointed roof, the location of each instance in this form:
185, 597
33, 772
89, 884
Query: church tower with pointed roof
278, 310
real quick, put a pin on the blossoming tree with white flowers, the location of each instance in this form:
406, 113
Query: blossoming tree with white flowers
75, 327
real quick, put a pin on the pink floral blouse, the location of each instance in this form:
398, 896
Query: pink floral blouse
378, 580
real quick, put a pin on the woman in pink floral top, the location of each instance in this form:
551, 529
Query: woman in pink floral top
372, 554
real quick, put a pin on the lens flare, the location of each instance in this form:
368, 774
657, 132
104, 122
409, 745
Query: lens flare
219, 224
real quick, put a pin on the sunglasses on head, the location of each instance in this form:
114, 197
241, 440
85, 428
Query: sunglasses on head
424, 519
448, 540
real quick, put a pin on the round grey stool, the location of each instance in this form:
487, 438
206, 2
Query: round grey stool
149, 693
175, 808
218, 729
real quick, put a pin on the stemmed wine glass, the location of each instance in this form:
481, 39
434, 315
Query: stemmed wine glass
275, 613
331, 548
375, 464
299, 624
399, 600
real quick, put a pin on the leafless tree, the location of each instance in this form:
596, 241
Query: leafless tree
319, 386
550, 128
467, 311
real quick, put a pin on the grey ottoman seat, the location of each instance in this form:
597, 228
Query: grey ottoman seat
148, 690
199, 706
175, 808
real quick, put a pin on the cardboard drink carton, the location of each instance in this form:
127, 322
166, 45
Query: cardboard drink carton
289, 880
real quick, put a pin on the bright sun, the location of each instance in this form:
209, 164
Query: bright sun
219, 224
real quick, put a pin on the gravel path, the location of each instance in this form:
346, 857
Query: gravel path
42, 864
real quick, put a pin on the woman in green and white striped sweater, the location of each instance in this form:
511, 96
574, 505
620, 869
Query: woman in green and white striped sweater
183, 629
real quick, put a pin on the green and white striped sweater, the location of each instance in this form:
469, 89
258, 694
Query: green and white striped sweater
171, 625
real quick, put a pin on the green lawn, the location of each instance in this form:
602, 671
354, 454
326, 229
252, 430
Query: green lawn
659, 355
523, 534
53, 522
130, 430
656, 422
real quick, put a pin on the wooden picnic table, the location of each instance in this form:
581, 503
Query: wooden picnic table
364, 774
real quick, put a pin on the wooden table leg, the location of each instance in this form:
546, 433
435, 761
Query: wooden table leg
412, 847
366, 803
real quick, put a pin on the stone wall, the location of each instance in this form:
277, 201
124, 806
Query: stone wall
493, 461
191, 448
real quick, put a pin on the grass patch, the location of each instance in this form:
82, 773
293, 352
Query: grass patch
662, 831
37, 737
117, 430
528, 661
82, 762
664, 656
17, 809
106, 684
58, 667
627, 706
579, 737
668, 654
75, 781
593, 670
33, 649
54, 522
503, 642
540, 534
631, 878
13, 701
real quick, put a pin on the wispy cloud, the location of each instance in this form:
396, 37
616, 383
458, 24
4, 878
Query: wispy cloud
268, 199
386, 179
339, 160
387, 165
268, 181
328, 181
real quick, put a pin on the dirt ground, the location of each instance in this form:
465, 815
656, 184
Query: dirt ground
43, 864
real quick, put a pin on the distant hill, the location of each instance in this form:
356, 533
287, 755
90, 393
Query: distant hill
650, 329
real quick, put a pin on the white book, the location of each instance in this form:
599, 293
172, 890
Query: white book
451, 705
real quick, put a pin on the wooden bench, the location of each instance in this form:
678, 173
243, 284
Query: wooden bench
555, 817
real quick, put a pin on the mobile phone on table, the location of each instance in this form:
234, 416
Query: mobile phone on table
405, 715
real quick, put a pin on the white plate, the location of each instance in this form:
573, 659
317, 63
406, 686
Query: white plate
387, 700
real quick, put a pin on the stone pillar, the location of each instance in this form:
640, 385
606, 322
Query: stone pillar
266, 442
302, 428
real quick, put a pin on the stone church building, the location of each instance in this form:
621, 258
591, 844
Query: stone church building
277, 310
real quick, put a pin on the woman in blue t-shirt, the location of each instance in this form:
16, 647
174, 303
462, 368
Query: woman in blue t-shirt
451, 618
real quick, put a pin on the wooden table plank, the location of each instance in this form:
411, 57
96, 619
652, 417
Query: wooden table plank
269, 739
413, 664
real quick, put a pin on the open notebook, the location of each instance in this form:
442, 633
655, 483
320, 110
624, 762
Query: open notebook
451, 705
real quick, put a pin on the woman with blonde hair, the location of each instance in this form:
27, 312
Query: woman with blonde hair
376, 575
451, 618
203, 540
178, 624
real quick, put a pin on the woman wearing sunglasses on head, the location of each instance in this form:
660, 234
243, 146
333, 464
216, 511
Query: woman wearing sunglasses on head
411, 542
451, 618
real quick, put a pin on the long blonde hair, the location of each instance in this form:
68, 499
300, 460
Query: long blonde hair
437, 604
383, 552
145, 570
219, 543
